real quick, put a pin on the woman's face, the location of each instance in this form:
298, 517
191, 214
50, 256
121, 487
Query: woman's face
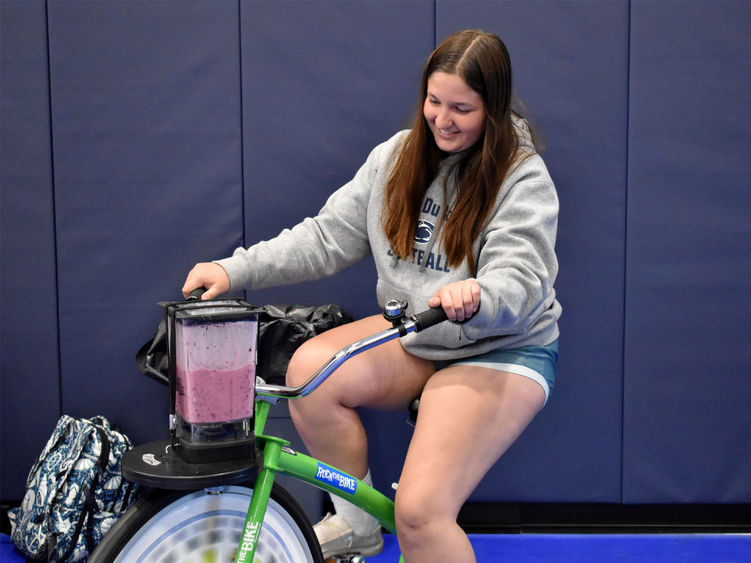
455, 113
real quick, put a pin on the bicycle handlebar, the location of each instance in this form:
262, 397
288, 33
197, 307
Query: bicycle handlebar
429, 318
414, 323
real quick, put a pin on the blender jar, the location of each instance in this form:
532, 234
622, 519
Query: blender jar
215, 370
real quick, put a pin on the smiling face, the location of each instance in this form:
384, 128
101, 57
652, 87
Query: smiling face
455, 113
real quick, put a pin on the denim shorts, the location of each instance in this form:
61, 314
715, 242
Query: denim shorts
535, 362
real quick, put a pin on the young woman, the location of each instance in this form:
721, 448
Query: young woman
459, 212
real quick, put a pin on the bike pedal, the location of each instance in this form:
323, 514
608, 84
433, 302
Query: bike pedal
347, 559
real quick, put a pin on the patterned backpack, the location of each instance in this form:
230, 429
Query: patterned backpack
74, 493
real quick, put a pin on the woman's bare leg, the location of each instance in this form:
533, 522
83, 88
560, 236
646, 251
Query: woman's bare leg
468, 418
385, 377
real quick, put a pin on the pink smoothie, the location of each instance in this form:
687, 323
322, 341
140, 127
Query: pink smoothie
211, 395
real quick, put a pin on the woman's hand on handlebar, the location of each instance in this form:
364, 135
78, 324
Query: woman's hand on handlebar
209, 275
459, 299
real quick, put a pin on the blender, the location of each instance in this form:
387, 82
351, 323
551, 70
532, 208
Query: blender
212, 369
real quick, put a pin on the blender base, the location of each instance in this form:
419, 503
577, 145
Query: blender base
157, 464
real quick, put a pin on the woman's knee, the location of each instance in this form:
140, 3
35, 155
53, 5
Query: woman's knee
417, 510
314, 353
305, 361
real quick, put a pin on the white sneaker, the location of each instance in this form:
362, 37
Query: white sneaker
338, 539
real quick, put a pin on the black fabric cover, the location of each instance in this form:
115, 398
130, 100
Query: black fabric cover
282, 329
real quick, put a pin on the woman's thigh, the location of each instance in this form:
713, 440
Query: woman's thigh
386, 376
468, 418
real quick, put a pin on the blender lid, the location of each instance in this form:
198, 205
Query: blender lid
214, 310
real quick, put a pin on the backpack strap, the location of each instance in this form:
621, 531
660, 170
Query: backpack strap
90, 507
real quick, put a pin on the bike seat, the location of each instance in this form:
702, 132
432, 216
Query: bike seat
414, 405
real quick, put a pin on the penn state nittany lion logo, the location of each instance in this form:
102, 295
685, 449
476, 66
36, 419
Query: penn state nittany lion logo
424, 231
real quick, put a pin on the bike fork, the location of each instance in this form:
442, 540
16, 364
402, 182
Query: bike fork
258, 503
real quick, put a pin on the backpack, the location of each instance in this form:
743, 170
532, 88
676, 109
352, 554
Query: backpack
74, 493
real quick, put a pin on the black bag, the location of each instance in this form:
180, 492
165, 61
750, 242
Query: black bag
281, 330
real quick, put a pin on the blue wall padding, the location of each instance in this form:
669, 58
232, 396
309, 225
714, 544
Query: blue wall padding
148, 136
323, 83
687, 390
581, 115
30, 386
148, 180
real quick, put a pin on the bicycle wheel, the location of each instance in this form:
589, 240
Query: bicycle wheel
206, 526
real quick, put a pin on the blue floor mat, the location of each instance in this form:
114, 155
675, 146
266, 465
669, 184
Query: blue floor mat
8, 553
569, 548
599, 548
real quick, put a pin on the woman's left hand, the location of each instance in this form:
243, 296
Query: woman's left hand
459, 299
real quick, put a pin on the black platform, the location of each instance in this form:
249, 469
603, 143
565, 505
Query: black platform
156, 464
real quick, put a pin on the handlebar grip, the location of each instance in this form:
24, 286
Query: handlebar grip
195, 295
428, 318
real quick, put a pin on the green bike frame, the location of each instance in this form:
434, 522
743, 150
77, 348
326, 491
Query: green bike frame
278, 457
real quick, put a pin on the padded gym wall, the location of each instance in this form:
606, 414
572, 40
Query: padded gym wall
141, 137
29, 375
323, 83
144, 110
146, 144
570, 63
687, 390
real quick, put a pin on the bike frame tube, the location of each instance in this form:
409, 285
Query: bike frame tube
332, 480
278, 457
261, 414
259, 501
316, 473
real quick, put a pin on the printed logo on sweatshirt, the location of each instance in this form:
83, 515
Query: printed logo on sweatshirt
430, 207
432, 261
424, 231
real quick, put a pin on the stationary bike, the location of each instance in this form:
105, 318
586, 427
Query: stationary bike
212, 491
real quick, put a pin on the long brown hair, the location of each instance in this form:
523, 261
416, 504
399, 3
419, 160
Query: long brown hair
482, 61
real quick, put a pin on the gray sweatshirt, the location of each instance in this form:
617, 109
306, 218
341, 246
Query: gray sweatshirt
515, 256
